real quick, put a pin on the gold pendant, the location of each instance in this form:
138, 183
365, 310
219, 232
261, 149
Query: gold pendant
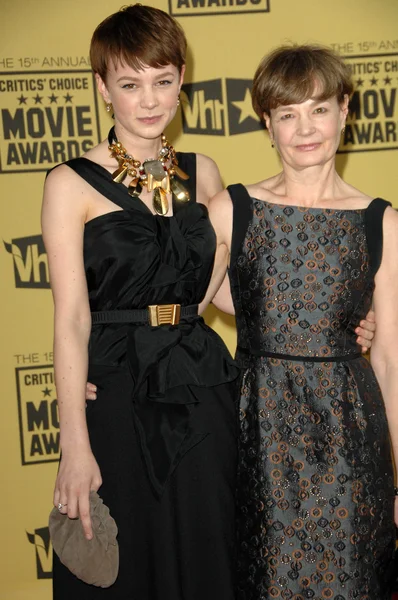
150, 183
165, 184
120, 174
181, 174
135, 187
160, 202
179, 191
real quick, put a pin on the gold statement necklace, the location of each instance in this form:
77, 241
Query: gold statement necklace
154, 174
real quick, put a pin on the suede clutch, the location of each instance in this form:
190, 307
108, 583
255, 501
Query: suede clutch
94, 561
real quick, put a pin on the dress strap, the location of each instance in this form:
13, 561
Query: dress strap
374, 231
101, 180
242, 215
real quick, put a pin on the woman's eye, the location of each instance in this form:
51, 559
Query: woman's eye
129, 86
320, 110
164, 82
286, 116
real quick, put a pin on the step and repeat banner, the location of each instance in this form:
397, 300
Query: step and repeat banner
50, 112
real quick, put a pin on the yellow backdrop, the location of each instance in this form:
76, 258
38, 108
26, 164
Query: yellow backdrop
50, 112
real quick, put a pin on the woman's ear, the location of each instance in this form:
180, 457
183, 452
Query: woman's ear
182, 73
344, 106
268, 124
103, 90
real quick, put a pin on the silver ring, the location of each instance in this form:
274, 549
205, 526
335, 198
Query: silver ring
60, 506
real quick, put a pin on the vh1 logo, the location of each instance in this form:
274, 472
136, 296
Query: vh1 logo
218, 107
30, 262
40, 538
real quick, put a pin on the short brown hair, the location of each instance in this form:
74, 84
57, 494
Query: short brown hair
137, 36
289, 75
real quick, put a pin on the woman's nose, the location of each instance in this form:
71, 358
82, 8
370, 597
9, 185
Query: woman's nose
306, 126
148, 98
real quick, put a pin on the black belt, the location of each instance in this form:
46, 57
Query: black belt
267, 354
156, 314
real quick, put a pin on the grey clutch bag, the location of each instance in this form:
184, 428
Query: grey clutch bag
94, 561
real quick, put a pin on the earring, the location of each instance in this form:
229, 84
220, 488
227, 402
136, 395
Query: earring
272, 144
343, 130
178, 100
108, 106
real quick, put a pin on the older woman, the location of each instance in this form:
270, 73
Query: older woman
308, 252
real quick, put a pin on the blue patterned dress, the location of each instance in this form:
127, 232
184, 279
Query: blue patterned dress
315, 483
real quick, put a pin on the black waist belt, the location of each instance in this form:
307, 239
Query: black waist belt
157, 314
267, 354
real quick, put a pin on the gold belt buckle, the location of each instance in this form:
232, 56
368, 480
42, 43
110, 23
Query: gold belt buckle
164, 314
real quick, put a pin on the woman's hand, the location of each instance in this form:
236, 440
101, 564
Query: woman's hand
91, 391
63, 218
366, 331
78, 475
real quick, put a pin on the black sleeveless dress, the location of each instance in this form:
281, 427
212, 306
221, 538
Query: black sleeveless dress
315, 476
164, 426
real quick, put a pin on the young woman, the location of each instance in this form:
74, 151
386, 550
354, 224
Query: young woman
130, 261
308, 252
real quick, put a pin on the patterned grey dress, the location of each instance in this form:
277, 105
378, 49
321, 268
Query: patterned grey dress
315, 491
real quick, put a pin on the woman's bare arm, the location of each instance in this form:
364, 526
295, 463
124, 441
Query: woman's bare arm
384, 352
223, 298
208, 179
63, 218
209, 186
220, 212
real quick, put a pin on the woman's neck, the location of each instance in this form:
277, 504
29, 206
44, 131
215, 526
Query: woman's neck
311, 185
138, 147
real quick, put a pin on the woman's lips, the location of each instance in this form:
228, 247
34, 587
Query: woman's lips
307, 147
149, 120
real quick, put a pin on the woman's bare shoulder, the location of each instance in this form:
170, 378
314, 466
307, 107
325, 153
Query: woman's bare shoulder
208, 180
206, 163
60, 178
263, 190
101, 155
354, 196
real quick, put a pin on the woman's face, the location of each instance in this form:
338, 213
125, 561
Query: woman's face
307, 134
144, 102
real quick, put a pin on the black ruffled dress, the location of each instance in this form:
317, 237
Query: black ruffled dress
163, 428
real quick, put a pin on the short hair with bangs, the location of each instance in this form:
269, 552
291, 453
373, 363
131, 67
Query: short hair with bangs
291, 74
137, 36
